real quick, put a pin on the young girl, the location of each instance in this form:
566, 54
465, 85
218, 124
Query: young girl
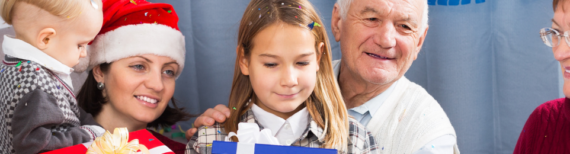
283, 81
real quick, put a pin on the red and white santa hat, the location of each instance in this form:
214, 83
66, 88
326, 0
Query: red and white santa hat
135, 27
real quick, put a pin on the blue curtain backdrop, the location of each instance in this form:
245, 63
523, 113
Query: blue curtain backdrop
483, 61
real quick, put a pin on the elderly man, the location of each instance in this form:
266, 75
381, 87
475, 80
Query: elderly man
379, 40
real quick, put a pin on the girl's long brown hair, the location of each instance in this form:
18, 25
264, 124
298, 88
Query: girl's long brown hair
325, 105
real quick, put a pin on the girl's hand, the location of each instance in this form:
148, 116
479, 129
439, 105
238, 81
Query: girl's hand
218, 113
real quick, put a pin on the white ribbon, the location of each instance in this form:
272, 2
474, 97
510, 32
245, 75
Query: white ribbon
245, 148
248, 135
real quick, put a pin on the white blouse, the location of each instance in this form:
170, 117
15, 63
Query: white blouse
287, 131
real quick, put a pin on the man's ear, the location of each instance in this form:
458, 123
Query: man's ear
98, 74
321, 53
421, 43
44, 38
243, 62
336, 21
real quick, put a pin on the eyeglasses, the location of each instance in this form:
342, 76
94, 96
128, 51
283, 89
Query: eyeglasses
551, 37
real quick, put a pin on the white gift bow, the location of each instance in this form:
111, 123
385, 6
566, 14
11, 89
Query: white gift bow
248, 135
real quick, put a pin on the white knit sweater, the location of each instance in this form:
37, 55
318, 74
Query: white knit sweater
409, 119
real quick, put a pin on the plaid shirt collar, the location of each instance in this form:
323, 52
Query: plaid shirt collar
312, 127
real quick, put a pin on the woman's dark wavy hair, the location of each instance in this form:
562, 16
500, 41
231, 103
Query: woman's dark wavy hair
91, 100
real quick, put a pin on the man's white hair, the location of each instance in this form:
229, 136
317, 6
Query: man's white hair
345, 4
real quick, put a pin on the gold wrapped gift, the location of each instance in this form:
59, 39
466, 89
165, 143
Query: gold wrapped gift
116, 143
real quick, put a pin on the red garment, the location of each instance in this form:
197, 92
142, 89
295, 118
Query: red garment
176, 147
121, 13
547, 130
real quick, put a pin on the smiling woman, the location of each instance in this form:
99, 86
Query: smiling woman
546, 130
132, 92
132, 77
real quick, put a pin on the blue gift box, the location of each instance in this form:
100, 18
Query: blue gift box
221, 147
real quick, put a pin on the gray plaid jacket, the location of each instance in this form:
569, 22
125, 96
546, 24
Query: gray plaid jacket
360, 140
38, 112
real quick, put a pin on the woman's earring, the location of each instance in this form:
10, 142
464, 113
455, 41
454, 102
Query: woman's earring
100, 85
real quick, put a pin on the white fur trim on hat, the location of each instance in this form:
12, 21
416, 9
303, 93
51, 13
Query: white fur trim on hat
133, 40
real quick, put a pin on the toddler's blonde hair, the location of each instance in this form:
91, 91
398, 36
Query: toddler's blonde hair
60, 8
